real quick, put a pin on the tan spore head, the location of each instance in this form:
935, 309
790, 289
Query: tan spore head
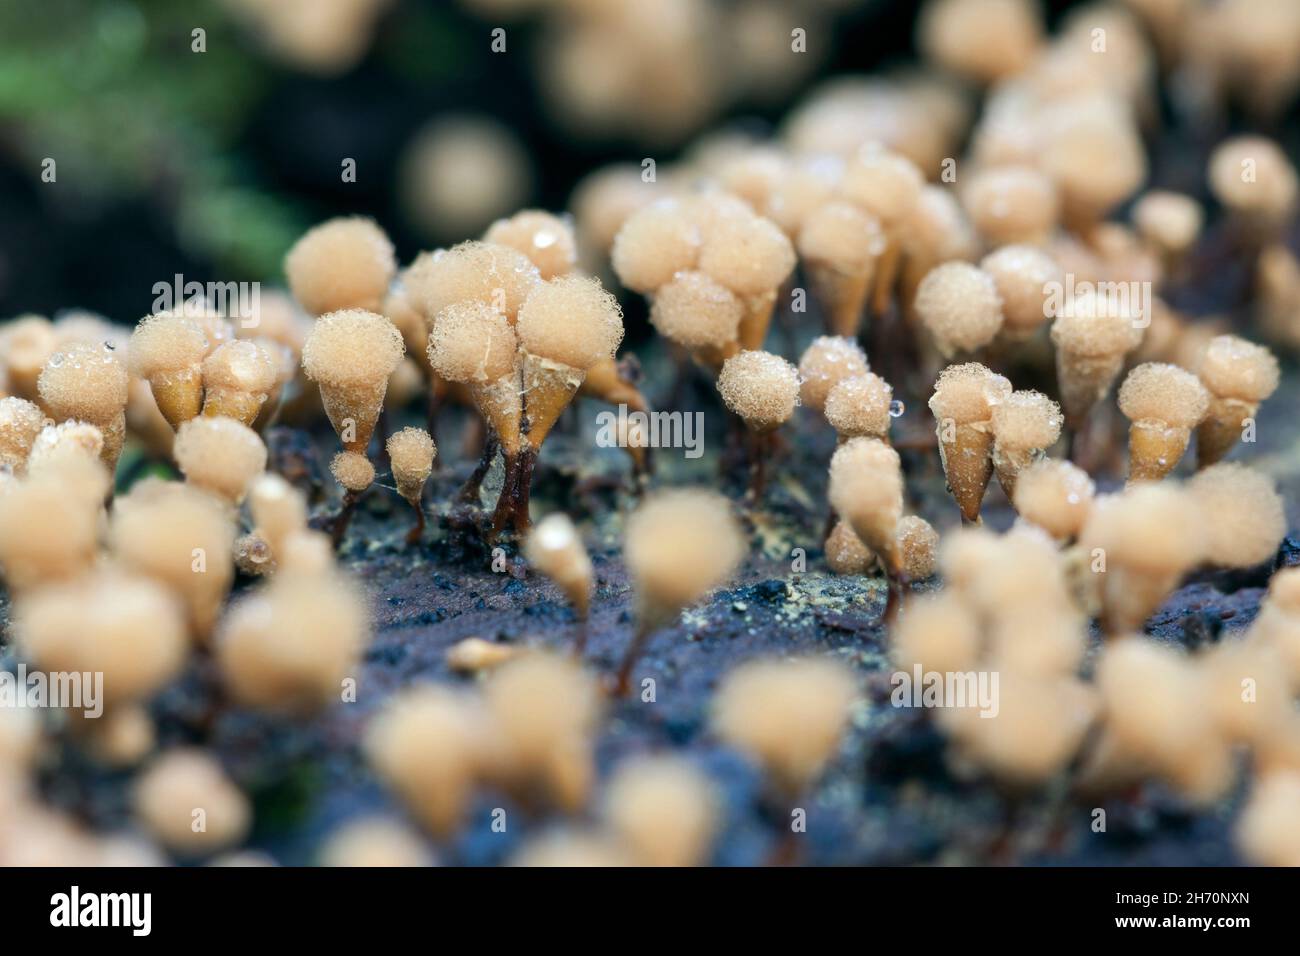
750, 255
64, 447
161, 527
1233, 367
26, 344
472, 342
1252, 176
841, 235
343, 263
570, 848
1024, 276
353, 471
1056, 496
49, 527
375, 842
20, 422
278, 509
808, 184
88, 381
1020, 571
411, 452
129, 629
710, 208
1153, 527
1027, 419
1154, 708
845, 552
1011, 204
500, 276
882, 182
960, 306
654, 244
760, 387
287, 648
1093, 325
1266, 831
696, 311
181, 781
1169, 221
938, 229
787, 716
1092, 149
545, 238
940, 632
351, 355
220, 455
238, 377
165, 344
1284, 591
1157, 391
967, 394
679, 545
241, 365
918, 547
866, 489
753, 174
966, 555
1242, 513
1036, 730
545, 708
663, 809
982, 40
428, 744
556, 550
860, 405
216, 325
352, 348
828, 360
572, 320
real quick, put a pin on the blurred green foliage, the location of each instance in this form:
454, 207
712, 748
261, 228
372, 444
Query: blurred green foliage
114, 92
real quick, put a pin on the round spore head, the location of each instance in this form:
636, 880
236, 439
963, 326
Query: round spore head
760, 387
353, 348
344, 263
1157, 391
472, 342
571, 320
695, 311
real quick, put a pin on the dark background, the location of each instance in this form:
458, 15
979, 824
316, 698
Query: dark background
210, 165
